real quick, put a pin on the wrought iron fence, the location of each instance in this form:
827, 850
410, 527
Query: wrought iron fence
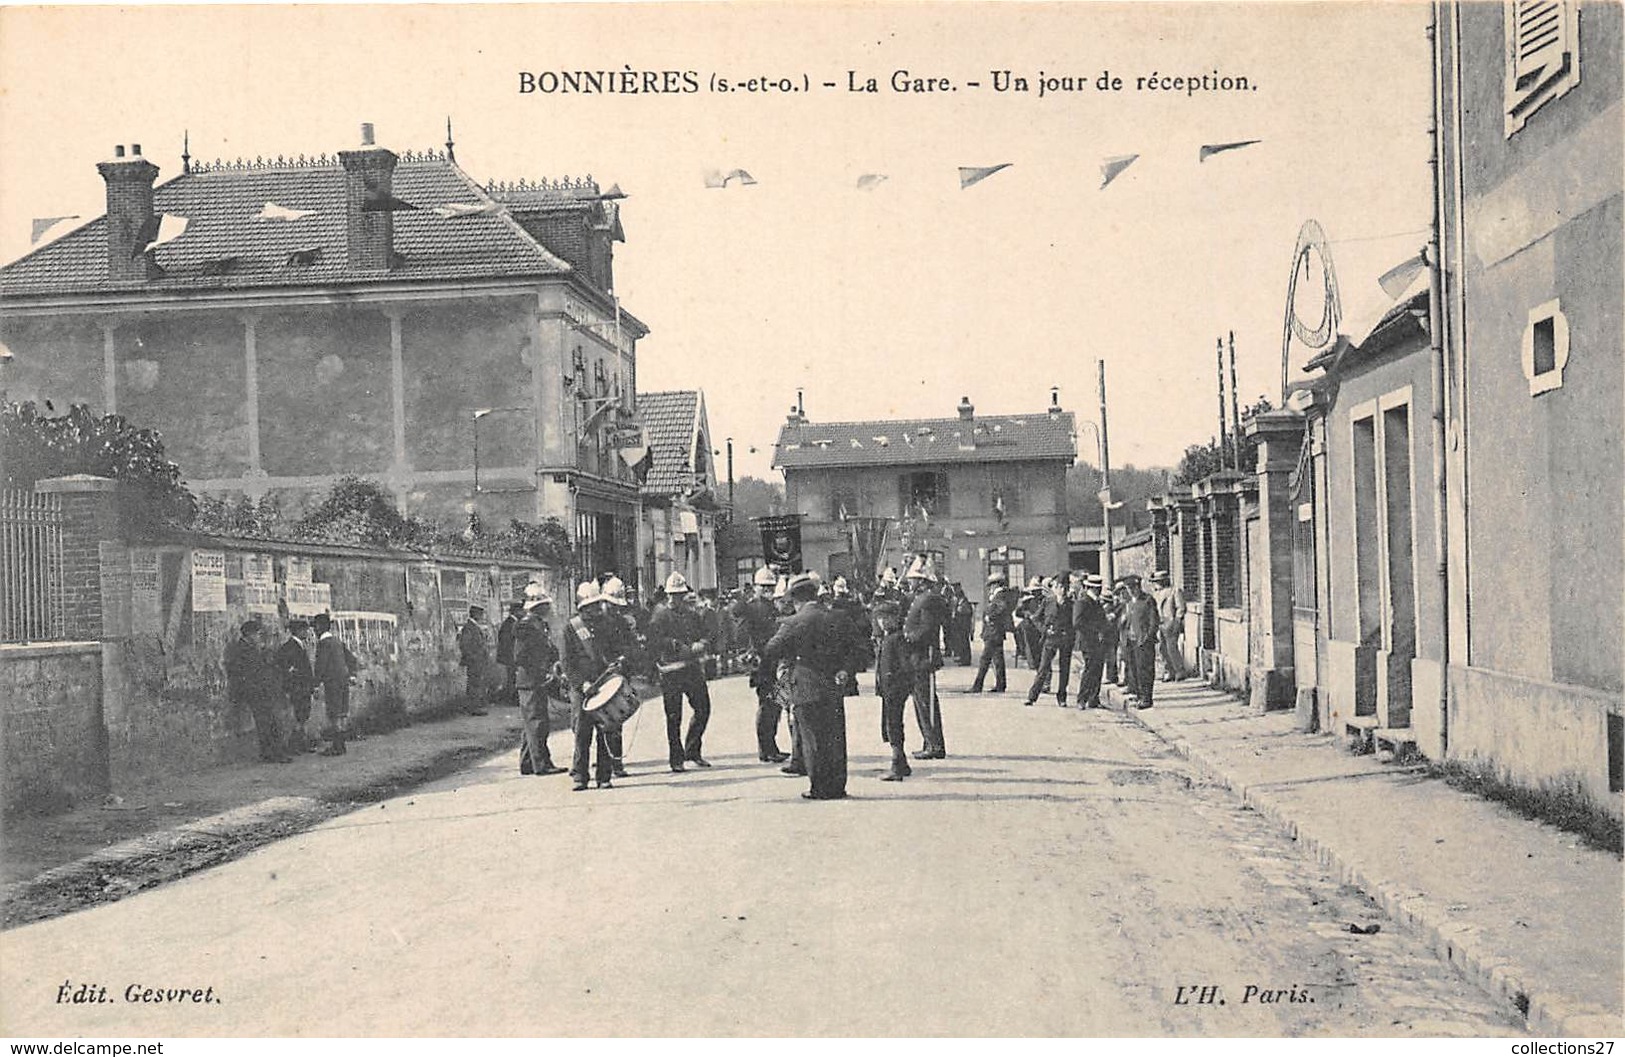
32, 607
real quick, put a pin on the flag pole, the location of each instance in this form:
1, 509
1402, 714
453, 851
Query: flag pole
1235, 406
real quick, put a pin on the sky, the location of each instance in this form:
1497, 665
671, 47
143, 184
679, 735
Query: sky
890, 302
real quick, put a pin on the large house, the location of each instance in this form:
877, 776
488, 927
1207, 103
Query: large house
285, 322
979, 494
680, 510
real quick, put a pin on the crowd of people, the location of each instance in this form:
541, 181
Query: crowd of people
803, 642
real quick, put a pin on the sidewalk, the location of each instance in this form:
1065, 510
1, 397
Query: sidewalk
183, 823
1523, 909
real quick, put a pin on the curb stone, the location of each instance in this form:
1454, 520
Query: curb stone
1544, 1010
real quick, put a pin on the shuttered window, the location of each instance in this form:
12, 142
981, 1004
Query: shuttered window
1542, 55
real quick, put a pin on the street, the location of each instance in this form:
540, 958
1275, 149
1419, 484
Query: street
1061, 873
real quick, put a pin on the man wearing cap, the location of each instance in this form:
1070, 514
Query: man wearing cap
1140, 629
1089, 625
1055, 618
535, 655
759, 618
678, 641
474, 655
995, 626
922, 628
819, 648
251, 681
894, 680
335, 670
292, 664
1171, 614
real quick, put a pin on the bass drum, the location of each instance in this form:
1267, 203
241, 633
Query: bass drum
612, 704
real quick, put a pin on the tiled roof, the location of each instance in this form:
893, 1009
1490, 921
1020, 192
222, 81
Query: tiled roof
222, 203
668, 421
924, 441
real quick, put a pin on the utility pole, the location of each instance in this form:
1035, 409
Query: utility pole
1235, 406
730, 478
1107, 573
1224, 434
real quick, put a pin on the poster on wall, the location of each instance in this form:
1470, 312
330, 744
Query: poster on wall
208, 582
308, 599
298, 570
146, 592
259, 584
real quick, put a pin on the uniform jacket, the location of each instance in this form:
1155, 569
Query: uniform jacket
334, 661
818, 642
673, 631
997, 622
922, 627
533, 650
1089, 621
1056, 619
893, 669
587, 650
292, 665
760, 618
250, 675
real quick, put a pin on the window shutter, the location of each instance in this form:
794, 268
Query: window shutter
1542, 55
943, 508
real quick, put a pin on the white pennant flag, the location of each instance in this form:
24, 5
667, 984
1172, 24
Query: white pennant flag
1112, 168
871, 180
453, 210
44, 226
272, 211
715, 178
1396, 280
975, 174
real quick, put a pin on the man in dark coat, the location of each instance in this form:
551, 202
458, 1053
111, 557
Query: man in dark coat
588, 656
251, 681
335, 670
996, 624
677, 636
1055, 618
922, 627
510, 693
292, 663
474, 655
1089, 626
535, 654
1141, 626
896, 681
759, 618
820, 648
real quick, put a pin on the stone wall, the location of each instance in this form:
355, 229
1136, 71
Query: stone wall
54, 745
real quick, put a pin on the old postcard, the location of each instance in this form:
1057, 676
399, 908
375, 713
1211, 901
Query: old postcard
1109, 513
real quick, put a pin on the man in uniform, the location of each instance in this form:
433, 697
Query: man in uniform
587, 658
922, 628
759, 618
1055, 618
678, 641
996, 624
1089, 625
335, 670
535, 655
820, 648
474, 655
292, 664
1171, 615
1140, 629
894, 680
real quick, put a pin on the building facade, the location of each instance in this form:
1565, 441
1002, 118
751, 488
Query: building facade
680, 511
367, 313
978, 493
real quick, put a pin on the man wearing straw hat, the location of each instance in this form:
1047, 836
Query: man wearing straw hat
820, 648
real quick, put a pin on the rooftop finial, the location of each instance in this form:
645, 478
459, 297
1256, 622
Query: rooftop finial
451, 152
186, 150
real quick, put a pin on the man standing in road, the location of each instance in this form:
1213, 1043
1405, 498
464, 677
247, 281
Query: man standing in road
1171, 615
922, 628
996, 624
1089, 625
535, 655
759, 618
587, 659
678, 641
1140, 629
292, 664
820, 648
474, 655
1055, 618
251, 681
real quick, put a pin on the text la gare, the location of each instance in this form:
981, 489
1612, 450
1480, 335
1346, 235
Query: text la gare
900, 81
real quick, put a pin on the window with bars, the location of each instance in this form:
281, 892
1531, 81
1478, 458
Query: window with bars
1542, 55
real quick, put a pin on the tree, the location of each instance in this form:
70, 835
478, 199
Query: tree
36, 447
754, 497
1131, 486
241, 516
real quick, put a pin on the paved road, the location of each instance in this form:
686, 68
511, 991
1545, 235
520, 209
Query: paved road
1063, 873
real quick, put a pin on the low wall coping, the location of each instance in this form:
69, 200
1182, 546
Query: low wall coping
22, 651
79, 482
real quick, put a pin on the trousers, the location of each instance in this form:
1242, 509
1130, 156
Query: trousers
1046, 659
1173, 657
687, 681
267, 731
588, 734
1089, 673
1142, 663
821, 729
992, 657
533, 753
927, 707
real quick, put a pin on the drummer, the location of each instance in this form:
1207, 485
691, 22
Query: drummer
587, 658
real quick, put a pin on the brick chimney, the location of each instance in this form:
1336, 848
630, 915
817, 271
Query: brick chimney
131, 223
967, 410
1054, 400
369, 174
